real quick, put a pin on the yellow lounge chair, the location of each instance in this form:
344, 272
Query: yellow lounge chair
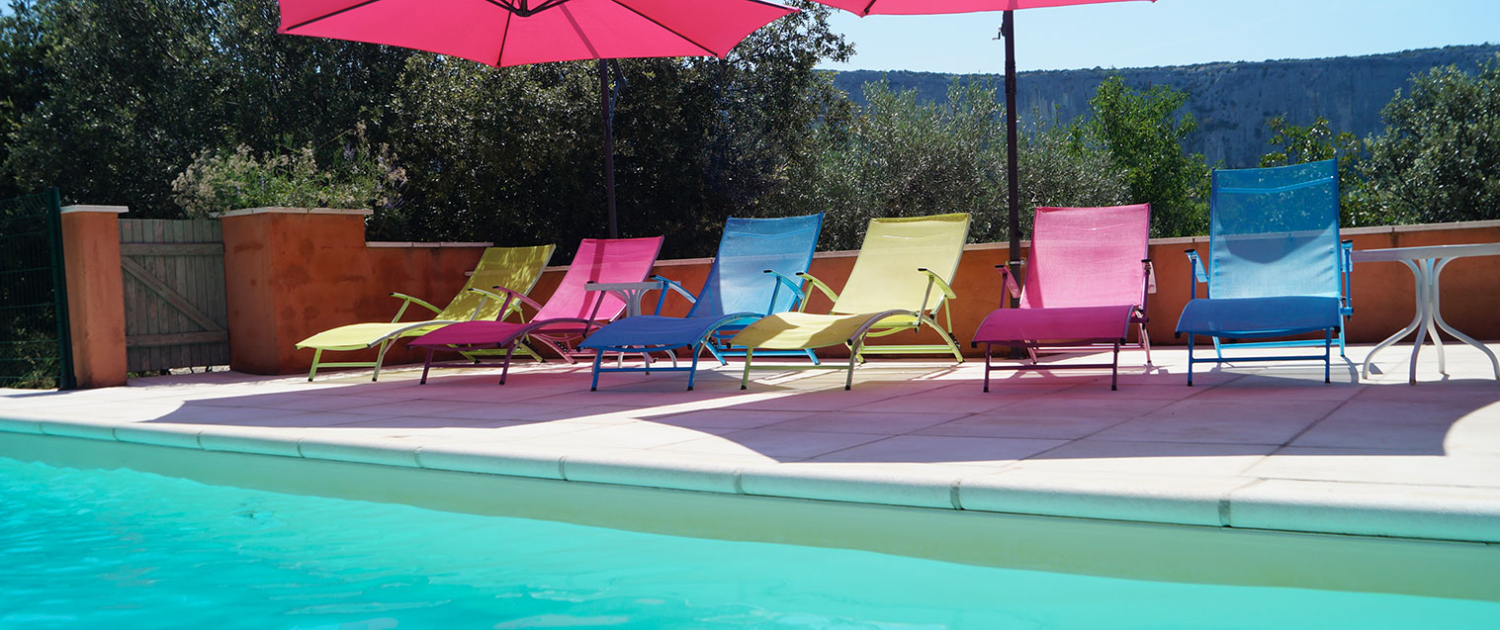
890, 290
515, 268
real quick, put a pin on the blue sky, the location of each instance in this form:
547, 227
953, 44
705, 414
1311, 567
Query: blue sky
1168, 32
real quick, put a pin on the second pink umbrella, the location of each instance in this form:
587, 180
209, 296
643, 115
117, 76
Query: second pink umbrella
1007, 31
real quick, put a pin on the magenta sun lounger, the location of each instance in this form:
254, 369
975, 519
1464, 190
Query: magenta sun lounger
569, 315
1087, 279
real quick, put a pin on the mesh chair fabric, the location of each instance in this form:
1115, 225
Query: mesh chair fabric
600, 260
515, 268
1087, 257
737, 283
1274, 232
885, 274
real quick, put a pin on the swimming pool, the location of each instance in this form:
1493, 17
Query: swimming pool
119, 548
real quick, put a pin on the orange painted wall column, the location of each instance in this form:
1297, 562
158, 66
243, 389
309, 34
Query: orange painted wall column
290, 273
269, 253
96, 294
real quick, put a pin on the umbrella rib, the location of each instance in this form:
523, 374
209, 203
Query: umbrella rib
665, 27
504, 39
868, 7
329, 15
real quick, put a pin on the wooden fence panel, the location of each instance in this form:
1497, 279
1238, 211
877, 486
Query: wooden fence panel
175, 310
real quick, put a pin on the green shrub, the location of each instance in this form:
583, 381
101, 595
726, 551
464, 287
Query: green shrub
358, 176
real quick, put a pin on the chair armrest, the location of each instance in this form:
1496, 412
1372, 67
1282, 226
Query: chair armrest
1010, 279
675, 286
407, 300
1199, 272
933, 278
820, 285
509, 299
796, 288
1346, 284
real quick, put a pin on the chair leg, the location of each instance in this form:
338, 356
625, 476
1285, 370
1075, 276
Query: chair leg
812, 355
510, 351
1328, 356
317, 354
426, 366
988, 350
1218, 348
1146, 343
380, 359
853, 354
1190, 359
598, 359
1114, 371
1341, 344
745, 378
693, 369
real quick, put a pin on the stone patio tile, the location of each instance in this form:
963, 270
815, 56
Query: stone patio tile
1150, 459
865, 422
1420, 427
728, 418
1020, 427
1379, 466
782, 445
636, 435
1072, 406
942, 450
1255, 421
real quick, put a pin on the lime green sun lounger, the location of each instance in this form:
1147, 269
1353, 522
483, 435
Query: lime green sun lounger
515, 268
890, 290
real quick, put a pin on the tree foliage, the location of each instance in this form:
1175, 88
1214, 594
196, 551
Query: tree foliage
1144, 134
1439, 156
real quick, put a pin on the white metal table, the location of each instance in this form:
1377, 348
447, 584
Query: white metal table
1426, 264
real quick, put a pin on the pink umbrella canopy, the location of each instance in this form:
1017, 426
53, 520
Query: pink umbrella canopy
1007, 31
516, 32
933, 7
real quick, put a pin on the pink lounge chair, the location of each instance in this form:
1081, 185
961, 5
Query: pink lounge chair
570, 314
1087, 279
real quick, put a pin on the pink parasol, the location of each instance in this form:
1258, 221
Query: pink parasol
1007, 32
515, 32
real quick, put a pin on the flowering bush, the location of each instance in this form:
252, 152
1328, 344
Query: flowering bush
358, 176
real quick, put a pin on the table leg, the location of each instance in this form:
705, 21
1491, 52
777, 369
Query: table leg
1423, 317
1432, 311
1415, 321
1438, 316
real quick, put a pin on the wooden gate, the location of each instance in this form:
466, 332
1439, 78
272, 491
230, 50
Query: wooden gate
175, 313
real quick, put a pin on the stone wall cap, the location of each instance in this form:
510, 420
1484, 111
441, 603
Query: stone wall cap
103, 209
276, 210
400, 244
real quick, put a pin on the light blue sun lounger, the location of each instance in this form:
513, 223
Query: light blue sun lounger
751, 277
1276, 267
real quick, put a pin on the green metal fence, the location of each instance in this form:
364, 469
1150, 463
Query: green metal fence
35, 348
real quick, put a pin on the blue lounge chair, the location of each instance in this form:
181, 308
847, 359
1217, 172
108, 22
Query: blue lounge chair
752, 277
1276, 266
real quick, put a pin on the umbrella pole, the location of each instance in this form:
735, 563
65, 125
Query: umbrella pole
609, 147
1012, 169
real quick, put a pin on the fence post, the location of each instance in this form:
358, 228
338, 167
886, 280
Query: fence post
96, 295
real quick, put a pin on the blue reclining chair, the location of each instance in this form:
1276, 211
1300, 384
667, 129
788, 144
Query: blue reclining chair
752, 277
1276, 266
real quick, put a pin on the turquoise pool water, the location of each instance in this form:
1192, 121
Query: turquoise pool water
122, 549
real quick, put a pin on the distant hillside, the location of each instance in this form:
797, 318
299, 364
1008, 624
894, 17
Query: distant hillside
1231, 101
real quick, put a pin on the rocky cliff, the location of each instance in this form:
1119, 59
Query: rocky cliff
1231, 101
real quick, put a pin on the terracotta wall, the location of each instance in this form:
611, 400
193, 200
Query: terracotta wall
292, 275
